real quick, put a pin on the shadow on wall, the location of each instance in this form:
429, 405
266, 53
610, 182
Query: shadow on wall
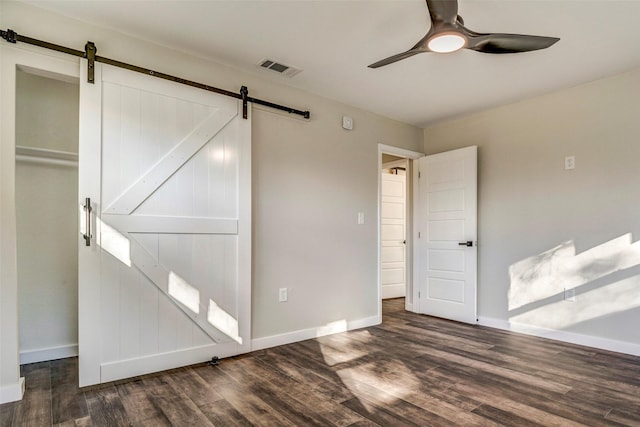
605, 280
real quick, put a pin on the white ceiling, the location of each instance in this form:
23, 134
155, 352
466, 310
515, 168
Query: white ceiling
334, 41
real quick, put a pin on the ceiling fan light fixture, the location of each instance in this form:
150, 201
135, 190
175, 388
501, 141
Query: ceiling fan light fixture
446, 43
448, 34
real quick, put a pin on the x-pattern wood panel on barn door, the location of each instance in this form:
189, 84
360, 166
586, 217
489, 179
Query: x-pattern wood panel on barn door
173, 225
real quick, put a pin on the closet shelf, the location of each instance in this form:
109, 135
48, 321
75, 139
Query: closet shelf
46, 156
45, 153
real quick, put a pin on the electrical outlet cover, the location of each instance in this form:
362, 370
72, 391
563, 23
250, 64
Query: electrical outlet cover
569, 163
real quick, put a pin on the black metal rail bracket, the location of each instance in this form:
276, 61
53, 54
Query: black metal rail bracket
244, 91
8, 35
89, 53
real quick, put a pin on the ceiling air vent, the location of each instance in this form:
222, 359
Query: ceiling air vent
277, 67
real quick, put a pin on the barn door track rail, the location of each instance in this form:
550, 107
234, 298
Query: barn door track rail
90, 51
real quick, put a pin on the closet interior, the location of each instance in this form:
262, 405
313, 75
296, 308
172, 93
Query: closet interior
47, 215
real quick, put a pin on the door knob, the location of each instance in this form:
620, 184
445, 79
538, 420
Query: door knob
468, 243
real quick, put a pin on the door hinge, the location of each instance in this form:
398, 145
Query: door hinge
418, 294
418, 234
419, 174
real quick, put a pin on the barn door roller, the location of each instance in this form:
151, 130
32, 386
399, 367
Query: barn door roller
244, 91
90, 53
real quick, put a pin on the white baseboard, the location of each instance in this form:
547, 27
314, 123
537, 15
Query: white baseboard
13, 392
113, 371
44, 354
305, 334
570, 337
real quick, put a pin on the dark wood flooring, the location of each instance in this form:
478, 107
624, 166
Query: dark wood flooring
411, 370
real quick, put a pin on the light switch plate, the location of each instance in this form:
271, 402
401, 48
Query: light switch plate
347, 123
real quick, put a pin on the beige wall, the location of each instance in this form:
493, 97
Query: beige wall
310, 179
543, 229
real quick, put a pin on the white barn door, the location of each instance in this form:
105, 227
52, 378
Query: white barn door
446, 220
166, 280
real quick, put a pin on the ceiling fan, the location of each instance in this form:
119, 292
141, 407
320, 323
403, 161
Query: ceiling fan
448, 34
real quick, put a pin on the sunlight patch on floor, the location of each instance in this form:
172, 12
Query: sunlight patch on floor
382, 381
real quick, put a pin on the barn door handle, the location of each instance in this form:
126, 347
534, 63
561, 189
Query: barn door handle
87, 221
468, 243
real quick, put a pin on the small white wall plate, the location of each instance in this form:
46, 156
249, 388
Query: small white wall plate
347, 123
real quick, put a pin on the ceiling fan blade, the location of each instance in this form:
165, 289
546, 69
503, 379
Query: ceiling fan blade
507, 43
395, 58
443, 10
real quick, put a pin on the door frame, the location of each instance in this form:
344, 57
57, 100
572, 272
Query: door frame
409, 155
52, 65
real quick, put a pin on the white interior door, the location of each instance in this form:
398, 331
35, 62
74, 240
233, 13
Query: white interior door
166, 280
392, 235
446, 220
